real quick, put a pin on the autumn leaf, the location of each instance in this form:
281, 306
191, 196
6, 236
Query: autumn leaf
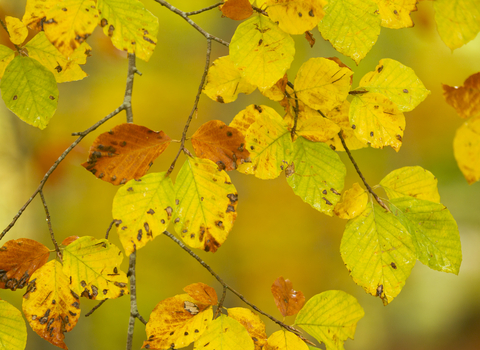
69, 240
288, 300
13, 331
125, 153
16, 29
245, 118
220, 143
277, 91
354, 202
202, 293
395, 14
253, 324
6, 56
35, 13
237, 9
466, 148
465, 99
284, 340
50, 307
19, 259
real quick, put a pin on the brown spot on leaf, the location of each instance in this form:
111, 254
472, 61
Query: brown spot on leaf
311, 14
405, 91
150, 211
380, 69
51, 97
111, 30
169, 211
393, 265
327, 201
103, 22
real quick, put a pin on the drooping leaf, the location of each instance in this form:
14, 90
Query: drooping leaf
202, 293
277, 91
316, 174
93, 267
19, 259
284, 340
246, 117
237, 9
224, 333
322, 83
125, 153
396, 13
465, 99
457, 21
261, 51
69, 23
377, 120
253, 324
296, 16
49, 305
206, 202
30, 91
411, 181
35, 13
354, 202
142, 210
17, 30
220, 143
6, 56
130, 26
179, 320
288, 300
351, 26
331, 317
466, 147
434, 232
13, 331
378, 252
396, 81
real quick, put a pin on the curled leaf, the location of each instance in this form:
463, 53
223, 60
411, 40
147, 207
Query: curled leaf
288, 300
465, 99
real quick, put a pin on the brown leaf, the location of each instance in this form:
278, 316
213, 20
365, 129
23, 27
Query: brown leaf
69, 240
220, 143
125, 153
202, 293
19, 259
465, 99
288, 301
237, 9
310, 38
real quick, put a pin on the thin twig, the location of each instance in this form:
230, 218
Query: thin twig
203, 10
184, 15
220, 303
49, 223
195, 105
133, 300
109, 228
259, 10
127, 100
95, 307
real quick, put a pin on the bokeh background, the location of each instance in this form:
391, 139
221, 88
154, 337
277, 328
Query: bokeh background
276, 234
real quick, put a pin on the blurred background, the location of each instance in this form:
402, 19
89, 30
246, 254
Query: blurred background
276, 233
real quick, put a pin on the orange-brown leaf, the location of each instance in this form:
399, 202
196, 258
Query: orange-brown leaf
465, 99
125, 153
310, 38
288, 300
69, 240
18, 261
220, 143
202, 293
237, 9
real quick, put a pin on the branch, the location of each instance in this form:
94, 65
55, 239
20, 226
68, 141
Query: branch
203, 10
127, 100
49, 223
95, 307
133, 300
259, 10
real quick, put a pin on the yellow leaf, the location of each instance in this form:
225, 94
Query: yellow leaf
353, 203
351, 26
130, 26
13, 331
49, 305
93, 267
253, 324
225, 81
396, 13
377, 120
284, 340
322, 83
245, 118
176, 322
261, 51
6, 56
296, 16
465, 99
466, 147
17, 30
35, 13
277, 91
457, 21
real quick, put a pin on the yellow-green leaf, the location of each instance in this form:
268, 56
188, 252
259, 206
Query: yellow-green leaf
36, 11
16, 29
262, 51
93, 266
30, 91
351, 26
354, 202
49, 305
142, 210
296, 16
378, 251
269, 143
13, 331
377, 120
69, 23
64, 69
206, 204
130, 26
413, 181
396, 13
316, 174
396, 81
331, 317
322, 83
253, 324
284, 340
225, 81
6, 56
225, 333
457, 21
466, 147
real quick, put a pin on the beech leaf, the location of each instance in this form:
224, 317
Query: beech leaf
13, 331
246, 117
253, 324
36, 12
465, 99
395, 14
277, 91
354, 202
284, 340
17, 30
466, 147
202, 293
288, 300
6, 56
237, 9
69, 240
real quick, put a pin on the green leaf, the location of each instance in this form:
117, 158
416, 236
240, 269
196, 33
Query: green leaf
261, 51
331, 317
30, 91
225, 333
378, 251
434, 232
396, 81
316, 174
142, 210
413, 181
131, 27
351, 26
6, 56
206, 203
13, 331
